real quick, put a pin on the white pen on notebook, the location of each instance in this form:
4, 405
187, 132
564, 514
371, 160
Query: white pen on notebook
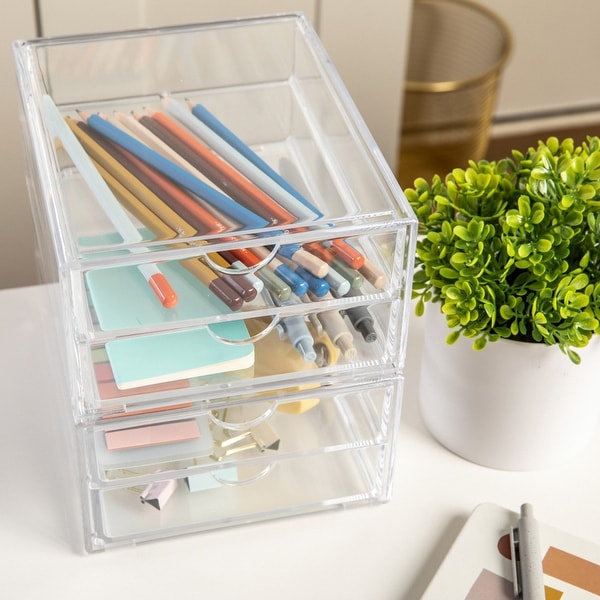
528, 576
111, 206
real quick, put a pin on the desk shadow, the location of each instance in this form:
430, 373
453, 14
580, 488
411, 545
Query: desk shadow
423, 578
411, 413
49, 452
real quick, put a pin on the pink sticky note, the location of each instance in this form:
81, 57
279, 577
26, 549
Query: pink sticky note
152, 435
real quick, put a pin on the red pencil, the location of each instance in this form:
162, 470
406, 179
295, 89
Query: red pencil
181, 202
219, 171
172, 195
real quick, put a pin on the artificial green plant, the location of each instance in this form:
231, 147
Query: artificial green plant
511, 248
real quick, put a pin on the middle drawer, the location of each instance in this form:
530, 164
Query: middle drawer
193, 443
290, 346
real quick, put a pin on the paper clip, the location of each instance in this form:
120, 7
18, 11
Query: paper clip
158, 493
260, 437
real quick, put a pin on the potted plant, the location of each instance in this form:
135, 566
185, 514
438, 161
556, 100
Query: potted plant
510, 250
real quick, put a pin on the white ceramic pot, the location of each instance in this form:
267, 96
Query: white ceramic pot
513, 405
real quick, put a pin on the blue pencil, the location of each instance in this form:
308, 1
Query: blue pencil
316, 285
237, 160
297, 284
219, 201
202, 113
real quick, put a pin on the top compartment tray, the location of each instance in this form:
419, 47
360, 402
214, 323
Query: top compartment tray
279, 166
267, 80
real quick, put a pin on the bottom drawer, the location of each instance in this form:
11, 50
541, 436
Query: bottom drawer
337, 454
280, 488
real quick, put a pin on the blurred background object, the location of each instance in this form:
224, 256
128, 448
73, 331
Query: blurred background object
456, 57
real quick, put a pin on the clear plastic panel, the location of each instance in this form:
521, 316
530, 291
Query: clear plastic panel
228, 496
269, 88
185, 440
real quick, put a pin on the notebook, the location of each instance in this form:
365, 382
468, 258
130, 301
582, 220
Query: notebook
162, 357
122, 299
478, 565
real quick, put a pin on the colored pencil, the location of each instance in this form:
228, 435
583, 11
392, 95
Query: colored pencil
111, 206
173, 171
216, 169
137, 208
105, 156
202, 113
231, 291
132, 126
350, 255
298, 285
240, 162
182, 202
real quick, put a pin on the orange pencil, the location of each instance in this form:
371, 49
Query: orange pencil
172, 195
181, 202
215, 168
350, 255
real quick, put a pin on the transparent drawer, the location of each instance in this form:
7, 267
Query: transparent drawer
133, 129
299, 346
151, 446
281, 489
335, 453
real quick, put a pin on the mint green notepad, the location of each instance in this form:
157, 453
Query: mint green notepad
121, 299
178, 355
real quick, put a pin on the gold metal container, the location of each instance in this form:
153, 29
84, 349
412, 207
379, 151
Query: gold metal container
457, 52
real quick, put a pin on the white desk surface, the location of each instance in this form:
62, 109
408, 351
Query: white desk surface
383, 552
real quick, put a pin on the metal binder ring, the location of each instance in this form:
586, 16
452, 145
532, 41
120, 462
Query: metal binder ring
243, 425
244, 270
250, 339
263, 473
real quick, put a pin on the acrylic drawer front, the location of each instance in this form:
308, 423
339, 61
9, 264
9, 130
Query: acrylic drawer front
193, 366
114, 299
162, 445
276, 489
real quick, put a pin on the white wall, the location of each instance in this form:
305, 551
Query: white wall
554, 68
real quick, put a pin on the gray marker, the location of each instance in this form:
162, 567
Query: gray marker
528, 576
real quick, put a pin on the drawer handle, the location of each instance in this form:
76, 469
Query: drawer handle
265, 257
262, 473
274, 320
242, 425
